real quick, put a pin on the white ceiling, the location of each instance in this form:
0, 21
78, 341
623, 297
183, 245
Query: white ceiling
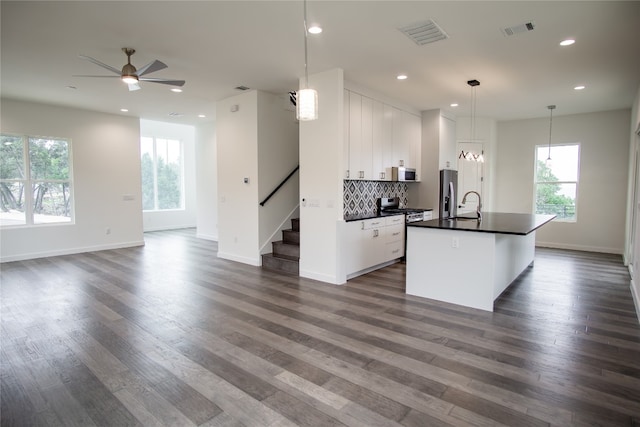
218, 45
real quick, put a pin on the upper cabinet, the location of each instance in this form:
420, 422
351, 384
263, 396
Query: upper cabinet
447, 142
379, 137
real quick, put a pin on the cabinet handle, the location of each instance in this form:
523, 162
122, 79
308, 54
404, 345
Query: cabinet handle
396, 234
396, 251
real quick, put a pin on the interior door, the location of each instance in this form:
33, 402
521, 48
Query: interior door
470, 176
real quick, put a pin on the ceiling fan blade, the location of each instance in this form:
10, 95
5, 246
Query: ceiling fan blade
152, 67
163, 81
133, 86
101, 64
85, 75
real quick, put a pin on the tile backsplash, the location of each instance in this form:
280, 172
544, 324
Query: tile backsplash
360, 196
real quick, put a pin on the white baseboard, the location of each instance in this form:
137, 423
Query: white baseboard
207, 236
169, 227
71, 251
242, 259
636, 300
599, 249
320, 277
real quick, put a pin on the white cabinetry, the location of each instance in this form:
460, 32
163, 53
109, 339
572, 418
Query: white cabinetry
377, 137
448, 155
360, 136
373, 243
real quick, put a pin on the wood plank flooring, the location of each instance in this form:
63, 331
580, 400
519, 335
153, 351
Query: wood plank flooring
167, 334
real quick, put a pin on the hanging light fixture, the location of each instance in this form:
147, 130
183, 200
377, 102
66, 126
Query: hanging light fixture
306, 99
551, 108
469, 156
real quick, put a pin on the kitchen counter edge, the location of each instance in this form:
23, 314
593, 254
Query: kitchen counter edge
492, 222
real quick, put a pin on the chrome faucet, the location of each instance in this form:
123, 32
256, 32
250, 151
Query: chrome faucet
464, 200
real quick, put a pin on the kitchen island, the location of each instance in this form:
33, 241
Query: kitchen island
469, 262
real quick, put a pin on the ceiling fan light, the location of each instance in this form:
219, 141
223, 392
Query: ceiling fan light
130, 79
307, 105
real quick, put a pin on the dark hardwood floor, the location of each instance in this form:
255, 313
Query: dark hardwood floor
167, 334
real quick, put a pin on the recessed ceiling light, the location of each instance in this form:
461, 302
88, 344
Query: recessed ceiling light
176, 89
579, 87
315, 29
567, 42
124, 110
402, 77
202, 116
454, 105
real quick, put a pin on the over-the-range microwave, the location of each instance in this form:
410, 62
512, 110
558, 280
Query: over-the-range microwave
403, 174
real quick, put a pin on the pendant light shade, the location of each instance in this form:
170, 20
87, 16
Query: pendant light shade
306, 99
307, 104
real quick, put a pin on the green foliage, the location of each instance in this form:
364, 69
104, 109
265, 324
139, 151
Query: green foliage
548, 197
167, 180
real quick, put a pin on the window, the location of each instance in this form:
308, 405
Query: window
162, 174
557, 180
35, 180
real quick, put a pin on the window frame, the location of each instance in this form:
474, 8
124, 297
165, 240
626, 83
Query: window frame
576, 182
155, 174
28, 182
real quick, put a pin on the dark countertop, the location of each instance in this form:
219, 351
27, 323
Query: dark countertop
370, 215
492, 222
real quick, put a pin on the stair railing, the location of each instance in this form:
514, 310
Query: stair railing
275, 190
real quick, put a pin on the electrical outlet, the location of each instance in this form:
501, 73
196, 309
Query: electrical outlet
455, 242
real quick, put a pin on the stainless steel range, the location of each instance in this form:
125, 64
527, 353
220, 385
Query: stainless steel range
391, 206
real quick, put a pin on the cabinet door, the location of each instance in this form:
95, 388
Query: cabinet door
366, 147
413, 131
400, 142
345, 146
381, 159
448, 154
365, 245
355, 135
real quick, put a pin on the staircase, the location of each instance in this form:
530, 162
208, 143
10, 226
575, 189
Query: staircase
286, 252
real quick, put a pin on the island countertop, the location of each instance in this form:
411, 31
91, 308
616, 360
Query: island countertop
492, 222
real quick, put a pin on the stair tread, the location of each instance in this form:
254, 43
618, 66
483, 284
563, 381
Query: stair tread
280, 256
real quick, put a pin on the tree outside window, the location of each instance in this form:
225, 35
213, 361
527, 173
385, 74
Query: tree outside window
556, 181
162, 174
35, 180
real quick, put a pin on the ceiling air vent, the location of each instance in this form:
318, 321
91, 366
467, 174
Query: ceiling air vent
242, 88
518, 29
424, 32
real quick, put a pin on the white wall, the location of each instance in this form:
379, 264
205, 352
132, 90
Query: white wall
237, 144
106, 166
258, 142
632, 252
485, 133
175, 218
206, 178
321, 183
602, 188
278, 155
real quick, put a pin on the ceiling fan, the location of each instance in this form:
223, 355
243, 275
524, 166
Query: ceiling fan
130, 75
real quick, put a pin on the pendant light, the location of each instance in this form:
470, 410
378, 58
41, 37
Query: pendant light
306, 99
469, 156
551, 108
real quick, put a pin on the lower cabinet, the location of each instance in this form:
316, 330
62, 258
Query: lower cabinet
372, 242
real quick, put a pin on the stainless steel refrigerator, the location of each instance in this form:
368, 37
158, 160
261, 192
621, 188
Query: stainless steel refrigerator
448, 193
